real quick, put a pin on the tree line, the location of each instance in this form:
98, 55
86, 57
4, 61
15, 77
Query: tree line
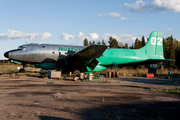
171, 48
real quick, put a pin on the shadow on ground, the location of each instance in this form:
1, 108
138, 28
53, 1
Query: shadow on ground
151, 81
51, 118
145, 111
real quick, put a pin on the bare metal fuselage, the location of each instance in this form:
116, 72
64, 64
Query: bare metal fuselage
41, 53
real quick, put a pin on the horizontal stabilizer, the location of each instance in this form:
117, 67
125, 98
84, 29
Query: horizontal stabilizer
160, 60
153, 61
169, 60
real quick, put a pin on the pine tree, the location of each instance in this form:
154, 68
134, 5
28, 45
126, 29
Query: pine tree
143, 41
171, 52
98, 43
177, 58
140, 44
113, 43
86, 42
90, 43
103, 43
165, 64
136, 46
126, 46
93, 42
131, 47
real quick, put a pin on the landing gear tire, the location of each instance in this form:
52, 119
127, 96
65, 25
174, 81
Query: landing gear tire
21, 70
76, 72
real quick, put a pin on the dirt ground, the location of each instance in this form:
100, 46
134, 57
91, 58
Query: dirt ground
33, 98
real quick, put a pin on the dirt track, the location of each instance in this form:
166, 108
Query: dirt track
123, 98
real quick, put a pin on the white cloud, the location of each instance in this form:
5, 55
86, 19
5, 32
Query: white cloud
12, 34
169, 29
66, 37
123, 18
124, 38
80, 36
169, 5
111, 14
93, 36
154, 6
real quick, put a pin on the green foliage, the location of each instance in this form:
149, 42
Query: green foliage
136, 45
86, 42
169, 52
177, 57
98, 43
113, 43
131, 47
140, 44
126, 46
143, 41
90, 43
103, 43
173, 91
93, 42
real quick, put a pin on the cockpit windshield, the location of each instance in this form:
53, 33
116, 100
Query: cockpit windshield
21, 47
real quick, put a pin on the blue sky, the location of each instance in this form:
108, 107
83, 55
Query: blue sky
71, 21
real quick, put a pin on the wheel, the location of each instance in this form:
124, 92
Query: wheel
21, 70
76, 72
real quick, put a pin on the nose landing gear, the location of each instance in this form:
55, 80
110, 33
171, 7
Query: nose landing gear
22, 70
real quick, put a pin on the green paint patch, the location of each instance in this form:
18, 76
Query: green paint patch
173, 91
17, 62
70, 49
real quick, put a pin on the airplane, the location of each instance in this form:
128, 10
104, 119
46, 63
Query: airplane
87, 58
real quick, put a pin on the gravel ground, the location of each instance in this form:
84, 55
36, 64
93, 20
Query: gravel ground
121, 99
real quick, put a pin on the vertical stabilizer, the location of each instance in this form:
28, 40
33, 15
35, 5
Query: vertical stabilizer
154, 45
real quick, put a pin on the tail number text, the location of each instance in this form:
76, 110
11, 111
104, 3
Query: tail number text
153, 41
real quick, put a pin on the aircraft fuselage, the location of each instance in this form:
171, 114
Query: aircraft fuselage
41, 53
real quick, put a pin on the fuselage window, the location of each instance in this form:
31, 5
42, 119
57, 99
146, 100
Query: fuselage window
43, 46
53, 52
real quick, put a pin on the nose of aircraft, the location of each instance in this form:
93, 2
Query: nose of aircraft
6, 54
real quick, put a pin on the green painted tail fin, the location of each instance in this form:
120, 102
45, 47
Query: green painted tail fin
154, 46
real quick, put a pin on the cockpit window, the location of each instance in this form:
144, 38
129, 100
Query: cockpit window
21, 47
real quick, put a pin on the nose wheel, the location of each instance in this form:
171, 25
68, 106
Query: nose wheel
22, 70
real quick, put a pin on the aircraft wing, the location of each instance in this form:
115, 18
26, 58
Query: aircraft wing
87, 55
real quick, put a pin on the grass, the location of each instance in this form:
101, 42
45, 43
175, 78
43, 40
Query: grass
10, 68
173, 91
140, 72
125, 72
